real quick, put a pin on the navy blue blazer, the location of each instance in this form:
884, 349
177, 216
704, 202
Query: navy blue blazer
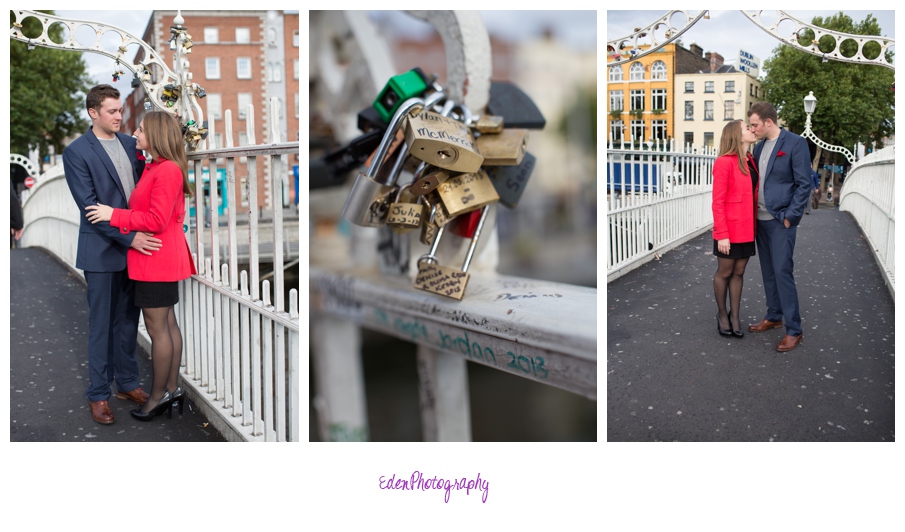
92, 179
787, 181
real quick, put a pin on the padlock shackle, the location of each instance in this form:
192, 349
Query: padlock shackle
403, 111
474, 238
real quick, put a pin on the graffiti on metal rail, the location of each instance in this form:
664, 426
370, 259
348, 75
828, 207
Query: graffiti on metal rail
459, 342
509, 297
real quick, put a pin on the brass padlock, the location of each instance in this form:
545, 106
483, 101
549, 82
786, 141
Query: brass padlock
442, 142
368, 202
467, 192
404, 215
428, 179
506, 148
443, 280
489, 124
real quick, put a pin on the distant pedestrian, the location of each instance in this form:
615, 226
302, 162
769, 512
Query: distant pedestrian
783, 161
815, 196
734, 205
17, 224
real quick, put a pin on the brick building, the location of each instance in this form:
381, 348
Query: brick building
238, 57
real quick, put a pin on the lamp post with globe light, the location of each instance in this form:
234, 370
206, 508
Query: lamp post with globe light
810, 104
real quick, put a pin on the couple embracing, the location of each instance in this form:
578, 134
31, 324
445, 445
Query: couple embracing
758, 202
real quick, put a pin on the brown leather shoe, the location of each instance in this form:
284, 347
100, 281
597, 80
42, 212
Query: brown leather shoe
789, 343
138, 395
764, 325
100, 412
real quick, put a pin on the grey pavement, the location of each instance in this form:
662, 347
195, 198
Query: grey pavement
49, 364
672, 377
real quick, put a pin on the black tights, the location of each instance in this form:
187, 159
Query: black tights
729, 274
166, 351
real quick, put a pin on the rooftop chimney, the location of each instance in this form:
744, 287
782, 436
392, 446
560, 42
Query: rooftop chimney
695, 49
716, 61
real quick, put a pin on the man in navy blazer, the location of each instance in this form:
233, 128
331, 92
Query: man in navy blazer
102, 166
783, 161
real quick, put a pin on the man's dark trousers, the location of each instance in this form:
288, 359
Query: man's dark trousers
775, 245
113, 320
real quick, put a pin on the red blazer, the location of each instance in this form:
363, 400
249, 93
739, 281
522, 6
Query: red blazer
734, 201
157, 205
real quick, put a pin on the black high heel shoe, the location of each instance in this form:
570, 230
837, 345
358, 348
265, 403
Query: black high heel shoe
165, 404
178, 398
723, 332
737, 334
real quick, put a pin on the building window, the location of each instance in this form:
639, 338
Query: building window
243, 35
244, 192
658, 129
212, 68
295, 38
616, 73
658, 70
274, 72
689, 110
636, 72
689, 86
729, 113
658, 99
616, 101
637, 130
243, 67
243, 138
751, 89
244, 101
218, 140
637, 100
211, 35
616, 130
730, 86
708, 86
708, 110
295, 69
214, 106
689, 138
708, 140
296, 105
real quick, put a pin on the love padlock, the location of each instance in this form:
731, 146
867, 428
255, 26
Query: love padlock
443, 280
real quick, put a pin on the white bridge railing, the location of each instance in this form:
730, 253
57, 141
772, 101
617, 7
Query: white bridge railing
658, 197
241, 340
868, 193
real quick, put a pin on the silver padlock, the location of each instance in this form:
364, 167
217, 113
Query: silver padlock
369, 200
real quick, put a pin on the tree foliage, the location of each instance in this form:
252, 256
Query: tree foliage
47, 92
855, 102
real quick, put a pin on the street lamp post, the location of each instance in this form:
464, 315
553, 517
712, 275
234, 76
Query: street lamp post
810, 104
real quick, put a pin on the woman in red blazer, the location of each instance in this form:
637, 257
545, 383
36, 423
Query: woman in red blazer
157, 206
735, 185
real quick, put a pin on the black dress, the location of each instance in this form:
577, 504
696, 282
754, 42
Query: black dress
741, 250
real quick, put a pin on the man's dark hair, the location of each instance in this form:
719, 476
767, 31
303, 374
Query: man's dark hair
764, 110
98, 94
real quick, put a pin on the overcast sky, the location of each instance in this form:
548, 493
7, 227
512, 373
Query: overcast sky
728, 31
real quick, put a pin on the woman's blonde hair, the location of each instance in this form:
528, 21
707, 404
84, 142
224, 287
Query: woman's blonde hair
165, 141
731, 143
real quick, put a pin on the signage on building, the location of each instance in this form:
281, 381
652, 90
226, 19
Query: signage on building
747, 62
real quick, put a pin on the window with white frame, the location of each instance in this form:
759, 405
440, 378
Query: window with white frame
637, 99
708, 110
243, 35
211, 35
218, 141
295, 69
244, 101
658, 99
689, 110
658, 70
636, 72
730, 86
658, 129
616, 101
616, 130
616, 73
274, 72
729, 111
689, 86
296, 105
214, 106
243, 138
212, 68
295, 38
708, 86
637, 129
708, 140
243, 67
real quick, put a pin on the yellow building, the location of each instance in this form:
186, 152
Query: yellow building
640, 93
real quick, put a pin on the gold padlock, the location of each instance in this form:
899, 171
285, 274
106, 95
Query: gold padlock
467, 192
506, 148
442, 142
489, 124
404, 215
427, 179
443, 280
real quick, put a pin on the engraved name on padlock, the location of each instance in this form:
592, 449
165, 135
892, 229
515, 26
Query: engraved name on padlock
442, 142
429, 227
467, 192
404, 215
510, 181
443, 280
506, 148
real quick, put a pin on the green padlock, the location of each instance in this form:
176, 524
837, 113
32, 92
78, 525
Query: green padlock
399, 89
